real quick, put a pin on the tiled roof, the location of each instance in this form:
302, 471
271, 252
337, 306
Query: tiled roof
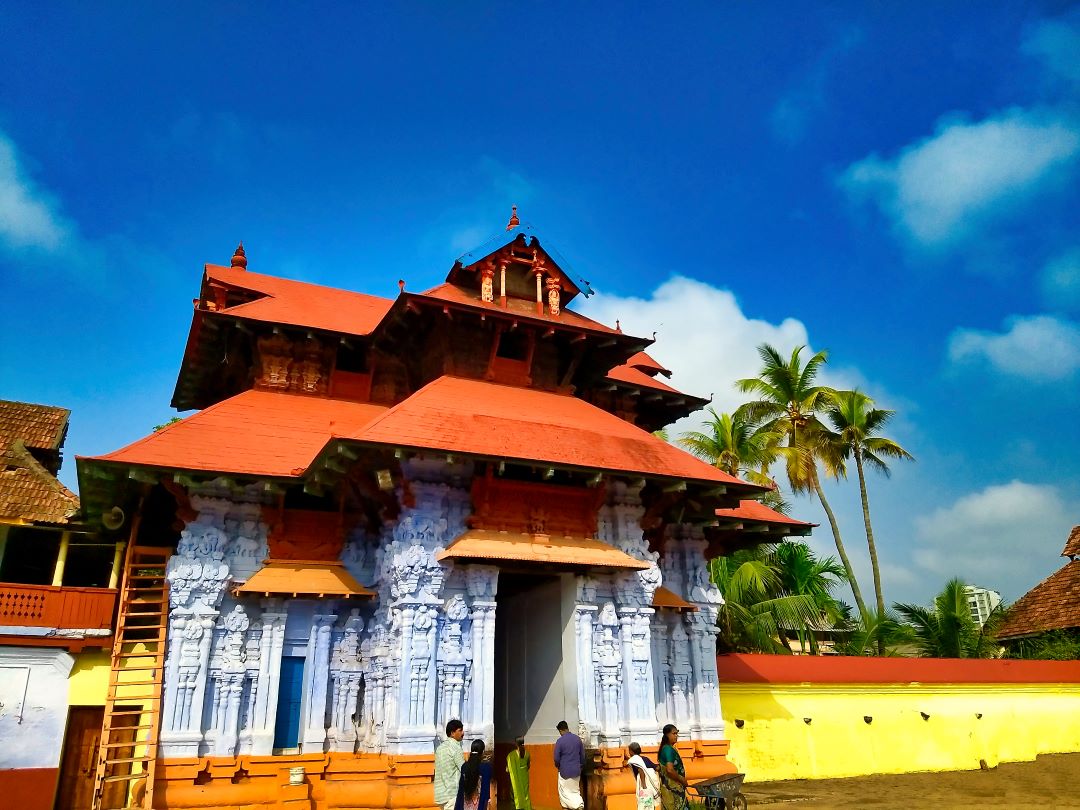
29, 492
254, 433
515, 306
757, 512
299, 303
456, 415
632, 376
646, 363
666, 598
1072, 545
1053, 604
40, 427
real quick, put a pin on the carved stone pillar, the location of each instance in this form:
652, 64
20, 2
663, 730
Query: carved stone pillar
316, 681
585, 616
271, 644
482, 583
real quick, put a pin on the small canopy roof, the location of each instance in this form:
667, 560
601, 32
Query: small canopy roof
757, 512
296, 578
576, 552
666, 598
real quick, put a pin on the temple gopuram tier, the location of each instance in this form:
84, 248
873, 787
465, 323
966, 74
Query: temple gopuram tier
390, 513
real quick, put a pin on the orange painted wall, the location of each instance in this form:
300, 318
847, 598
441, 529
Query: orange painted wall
28, 788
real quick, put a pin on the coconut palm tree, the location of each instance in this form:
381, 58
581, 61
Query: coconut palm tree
772, 593
879, 633
947, 630
856, 423
788, 403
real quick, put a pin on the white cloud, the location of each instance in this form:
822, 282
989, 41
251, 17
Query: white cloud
1060, 281
1057, 44
948, 186
1040, 348
702, 334
28, 218
1006, 537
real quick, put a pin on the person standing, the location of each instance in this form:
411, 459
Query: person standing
448, 762
646, 780
517, 766
569, 760
673, 782
474, 788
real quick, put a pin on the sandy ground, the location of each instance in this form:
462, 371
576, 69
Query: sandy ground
1050, 782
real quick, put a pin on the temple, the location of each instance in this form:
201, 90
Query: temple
390, 512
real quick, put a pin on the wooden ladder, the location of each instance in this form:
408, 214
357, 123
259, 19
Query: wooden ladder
129, 735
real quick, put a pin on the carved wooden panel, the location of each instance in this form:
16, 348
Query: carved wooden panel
302, 534
525, 506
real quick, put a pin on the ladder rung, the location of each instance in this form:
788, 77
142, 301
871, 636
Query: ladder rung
125, 777
131, 744
136, 697
152, 681
125, 713
123, 760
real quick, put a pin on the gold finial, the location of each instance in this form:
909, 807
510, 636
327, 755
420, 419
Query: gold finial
514, 221
239, 260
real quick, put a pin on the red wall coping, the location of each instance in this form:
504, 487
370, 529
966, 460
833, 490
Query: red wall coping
844, 669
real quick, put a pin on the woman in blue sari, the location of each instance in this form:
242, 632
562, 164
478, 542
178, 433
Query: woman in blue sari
474, 788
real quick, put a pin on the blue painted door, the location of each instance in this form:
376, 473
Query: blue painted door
290, 696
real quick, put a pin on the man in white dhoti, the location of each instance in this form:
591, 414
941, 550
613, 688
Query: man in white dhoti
569, 759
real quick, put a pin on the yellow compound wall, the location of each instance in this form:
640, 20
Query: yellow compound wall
789, 723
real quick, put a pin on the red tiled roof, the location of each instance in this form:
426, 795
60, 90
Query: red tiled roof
1053, 604
253, 433
299, 303
514, 306
631, 376
457, 415
1072, 545
758, 512
644, 362
30, 493
40, 427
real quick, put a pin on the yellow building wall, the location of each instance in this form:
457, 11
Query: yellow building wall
818, 731
89, 679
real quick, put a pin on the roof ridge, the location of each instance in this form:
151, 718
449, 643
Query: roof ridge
287, 281
34, 467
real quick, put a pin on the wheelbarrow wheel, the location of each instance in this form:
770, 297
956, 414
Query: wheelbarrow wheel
738, 802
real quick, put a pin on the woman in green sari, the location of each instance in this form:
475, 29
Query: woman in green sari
673, 782
517, 766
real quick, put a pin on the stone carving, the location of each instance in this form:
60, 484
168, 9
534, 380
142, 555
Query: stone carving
197, 573
553, 291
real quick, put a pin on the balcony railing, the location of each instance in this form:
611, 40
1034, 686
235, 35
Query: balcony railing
50, 606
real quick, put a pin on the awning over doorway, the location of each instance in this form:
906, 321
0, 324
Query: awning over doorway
666, 598
296, 578
584, 552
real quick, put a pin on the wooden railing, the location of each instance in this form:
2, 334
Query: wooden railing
49, 606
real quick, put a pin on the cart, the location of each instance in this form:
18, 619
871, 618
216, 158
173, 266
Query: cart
721, 793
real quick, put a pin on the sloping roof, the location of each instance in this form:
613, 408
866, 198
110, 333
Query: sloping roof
457, 415
1072, 545
530, 238
757, 512
298, 578
31, 494
254, 433
1053, 604
666, 598
28, 491
483, 544
646, 363
40, 427
517, 307
299, 303
632, 376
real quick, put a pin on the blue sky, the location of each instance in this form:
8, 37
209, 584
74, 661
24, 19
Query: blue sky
896, 183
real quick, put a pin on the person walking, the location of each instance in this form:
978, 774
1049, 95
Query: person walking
448, 761
646, 779
517, 766
569, 760
673, 782
474, 788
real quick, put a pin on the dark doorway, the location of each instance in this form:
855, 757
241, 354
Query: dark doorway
78, 764
290, 698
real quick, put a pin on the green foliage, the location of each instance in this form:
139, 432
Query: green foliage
874, 634
1054, 645
774, 593
947, 630
172, 421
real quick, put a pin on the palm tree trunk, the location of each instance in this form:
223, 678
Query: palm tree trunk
869, 533
840, 548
